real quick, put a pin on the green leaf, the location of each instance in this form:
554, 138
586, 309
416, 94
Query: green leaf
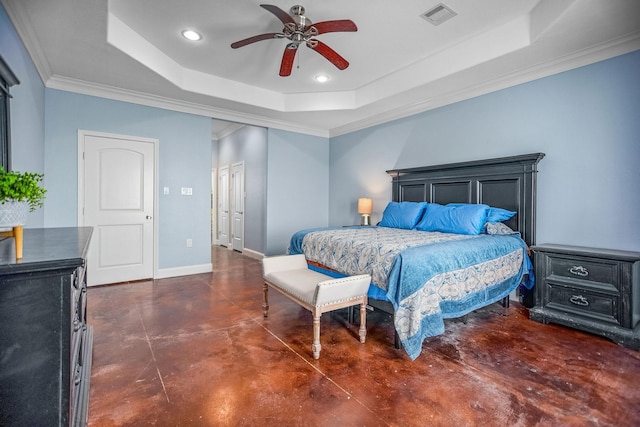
22, 187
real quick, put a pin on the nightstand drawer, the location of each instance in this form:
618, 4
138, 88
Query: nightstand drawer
598, 306
582, 269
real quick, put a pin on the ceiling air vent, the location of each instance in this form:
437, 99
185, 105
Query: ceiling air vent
438, 14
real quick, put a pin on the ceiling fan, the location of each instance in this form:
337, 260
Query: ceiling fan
299, 29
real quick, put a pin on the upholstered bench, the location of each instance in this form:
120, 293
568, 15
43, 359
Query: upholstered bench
314, 291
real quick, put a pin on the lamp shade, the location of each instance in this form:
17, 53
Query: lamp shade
365, 206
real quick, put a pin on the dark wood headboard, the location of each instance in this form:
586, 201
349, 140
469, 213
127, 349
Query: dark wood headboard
506, 182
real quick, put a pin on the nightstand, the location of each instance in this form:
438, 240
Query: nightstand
594, 290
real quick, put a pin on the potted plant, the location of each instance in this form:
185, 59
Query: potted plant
20, 193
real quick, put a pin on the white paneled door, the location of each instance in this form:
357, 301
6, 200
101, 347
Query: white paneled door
214, 210
116, 191
223, 206
237, 190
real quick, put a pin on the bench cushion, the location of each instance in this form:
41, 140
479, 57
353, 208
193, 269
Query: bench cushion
301, 283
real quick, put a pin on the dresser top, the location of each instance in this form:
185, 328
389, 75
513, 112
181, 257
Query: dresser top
45, 248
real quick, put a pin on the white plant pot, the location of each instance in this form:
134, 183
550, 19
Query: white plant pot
13, 213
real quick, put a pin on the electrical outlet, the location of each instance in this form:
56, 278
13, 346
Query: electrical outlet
189, 243
166, 190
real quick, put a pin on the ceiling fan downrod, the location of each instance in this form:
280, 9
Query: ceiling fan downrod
301, 30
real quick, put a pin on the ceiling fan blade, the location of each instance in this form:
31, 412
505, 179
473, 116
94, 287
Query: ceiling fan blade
335, 26
328, 53
254, 39
281, 14
287, 59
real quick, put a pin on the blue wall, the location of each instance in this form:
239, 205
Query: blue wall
297, 186
44, 126
286, 183
586, 120
249, 144
27, 109
184, 161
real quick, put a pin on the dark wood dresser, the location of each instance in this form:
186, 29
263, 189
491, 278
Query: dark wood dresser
594, 290
45, 342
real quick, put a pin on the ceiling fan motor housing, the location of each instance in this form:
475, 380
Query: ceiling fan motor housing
302, 22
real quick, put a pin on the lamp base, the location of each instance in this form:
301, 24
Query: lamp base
365, 220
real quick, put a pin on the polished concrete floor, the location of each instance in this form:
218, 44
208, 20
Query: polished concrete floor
196, 351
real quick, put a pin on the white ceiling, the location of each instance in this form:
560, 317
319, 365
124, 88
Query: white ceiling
400, 64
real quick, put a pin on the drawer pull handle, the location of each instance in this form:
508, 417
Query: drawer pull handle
579, 270
579, 300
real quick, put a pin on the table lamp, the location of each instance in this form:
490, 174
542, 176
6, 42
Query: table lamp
364, 208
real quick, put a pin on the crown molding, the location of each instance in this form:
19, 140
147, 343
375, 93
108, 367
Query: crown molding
578, 59
587, 56
23, 27
593, 54
135, 97
574, 60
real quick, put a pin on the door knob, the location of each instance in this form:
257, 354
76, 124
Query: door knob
148, 217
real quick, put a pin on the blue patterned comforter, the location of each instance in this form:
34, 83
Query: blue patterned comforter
427, 276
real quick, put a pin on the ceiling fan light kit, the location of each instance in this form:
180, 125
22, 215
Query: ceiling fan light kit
299, 29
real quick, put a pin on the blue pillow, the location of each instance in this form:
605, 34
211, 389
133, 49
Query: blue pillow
494, 214
499, 214
454, 218
402, 214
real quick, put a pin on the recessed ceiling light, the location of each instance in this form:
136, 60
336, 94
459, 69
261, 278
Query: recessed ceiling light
191, 35
321, 78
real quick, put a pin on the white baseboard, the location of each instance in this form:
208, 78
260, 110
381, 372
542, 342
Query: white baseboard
184, 271
252, 254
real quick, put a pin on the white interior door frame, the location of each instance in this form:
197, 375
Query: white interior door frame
81, 173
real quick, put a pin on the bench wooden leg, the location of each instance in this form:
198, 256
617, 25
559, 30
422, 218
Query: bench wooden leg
363, 322
316, 336
265, 301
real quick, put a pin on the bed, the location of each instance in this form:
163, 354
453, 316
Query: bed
454, 238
